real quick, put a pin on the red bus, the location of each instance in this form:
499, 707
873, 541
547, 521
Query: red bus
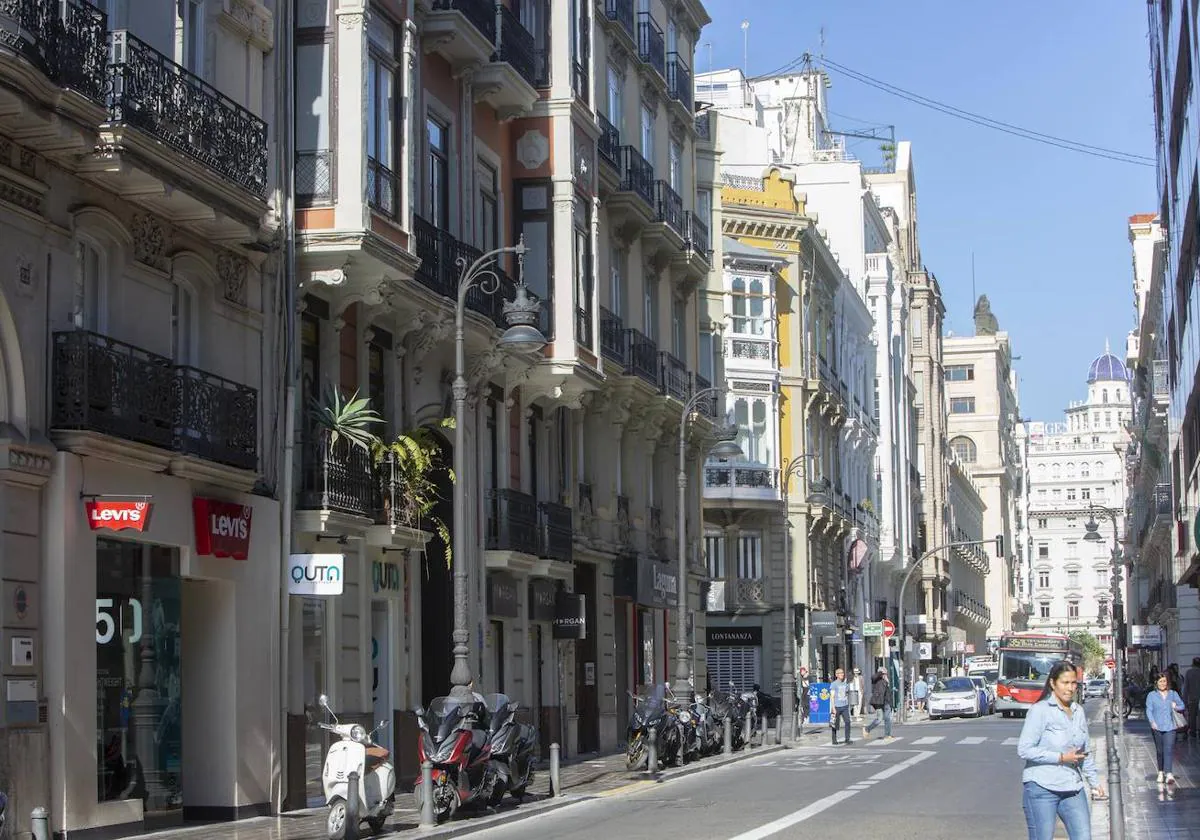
1025, 663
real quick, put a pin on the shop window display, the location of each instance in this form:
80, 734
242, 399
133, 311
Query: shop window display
138, 674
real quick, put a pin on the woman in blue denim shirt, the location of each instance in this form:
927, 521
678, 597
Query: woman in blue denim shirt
1160, 704
1054, 743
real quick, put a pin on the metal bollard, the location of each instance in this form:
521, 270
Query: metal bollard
778, 730
427, 820
352, 801
555, 785
39, 821
747, 730
1116, 802
652, 751
727, 736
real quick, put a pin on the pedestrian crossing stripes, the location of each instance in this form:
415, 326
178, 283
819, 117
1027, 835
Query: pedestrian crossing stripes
1011, 742
928, 739
973, 739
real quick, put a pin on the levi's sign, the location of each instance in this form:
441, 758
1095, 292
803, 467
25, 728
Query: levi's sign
113, 515
316, 574
222, 528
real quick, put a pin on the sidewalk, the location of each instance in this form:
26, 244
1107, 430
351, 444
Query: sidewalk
1151, 812
588, 777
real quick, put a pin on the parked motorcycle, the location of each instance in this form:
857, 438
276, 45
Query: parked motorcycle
708, 736
513, 746
682, 727
649, 712
356, 752
1135, 699
455, 738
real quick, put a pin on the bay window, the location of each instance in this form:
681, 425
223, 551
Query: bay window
534, 221
382, 65
583, 271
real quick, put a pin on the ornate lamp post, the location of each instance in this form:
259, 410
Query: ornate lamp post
521, 337
724, 448
814, 496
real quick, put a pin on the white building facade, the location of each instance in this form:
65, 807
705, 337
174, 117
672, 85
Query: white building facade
1075, 465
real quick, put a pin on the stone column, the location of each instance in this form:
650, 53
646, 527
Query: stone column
350, 47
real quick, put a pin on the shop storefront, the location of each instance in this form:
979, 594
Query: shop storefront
503, 610
646, 591
735, 656
158, 587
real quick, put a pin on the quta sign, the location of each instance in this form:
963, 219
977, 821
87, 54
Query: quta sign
316, 574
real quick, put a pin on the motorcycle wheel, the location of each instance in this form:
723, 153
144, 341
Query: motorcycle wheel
635, 754
336, 822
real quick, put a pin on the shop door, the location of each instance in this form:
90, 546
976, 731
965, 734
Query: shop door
316, 744
587, 697
741, 666
381, 672
621, 641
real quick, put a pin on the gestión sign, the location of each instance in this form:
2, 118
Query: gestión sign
222, 528
114, 515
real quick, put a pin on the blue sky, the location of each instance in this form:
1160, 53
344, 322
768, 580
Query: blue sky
1048, 227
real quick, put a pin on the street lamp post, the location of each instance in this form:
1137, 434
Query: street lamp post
787, 683
725, 448
522, 336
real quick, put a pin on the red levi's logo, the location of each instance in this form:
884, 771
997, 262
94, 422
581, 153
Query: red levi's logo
104, 515
222, 528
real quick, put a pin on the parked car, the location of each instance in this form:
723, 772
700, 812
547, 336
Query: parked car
987, 695
954, 696
1095, 688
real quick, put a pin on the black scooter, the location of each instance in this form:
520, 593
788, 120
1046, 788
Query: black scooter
513, 747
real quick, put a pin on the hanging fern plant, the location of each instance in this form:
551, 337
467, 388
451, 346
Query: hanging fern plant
410, 463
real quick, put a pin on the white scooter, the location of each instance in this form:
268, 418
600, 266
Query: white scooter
355, 752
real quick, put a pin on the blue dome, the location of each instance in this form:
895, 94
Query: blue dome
1107, 368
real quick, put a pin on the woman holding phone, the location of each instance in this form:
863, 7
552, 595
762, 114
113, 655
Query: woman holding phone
1054, 744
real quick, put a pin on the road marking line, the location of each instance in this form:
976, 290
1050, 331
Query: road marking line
1011, 742
929, 739
629, 788
902, 766
805, 813
972, 740
856, 787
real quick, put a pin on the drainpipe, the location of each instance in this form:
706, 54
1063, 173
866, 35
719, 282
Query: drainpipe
284, 110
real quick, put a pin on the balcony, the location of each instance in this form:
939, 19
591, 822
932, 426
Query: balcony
652, 48
382, 188
339, 479
439, 251
557, 531
620, 12
641, 357
153, 94
104, 387
1161, 384
636, 190
668, 208
698, 238
710, 407
725, 483
676, 382
608, 147
679, 81
67, 43
612, 338
488, 36
749, 351
512, 523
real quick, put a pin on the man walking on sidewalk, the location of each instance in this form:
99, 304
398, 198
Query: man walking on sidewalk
1191, 697
839, 700
881, 705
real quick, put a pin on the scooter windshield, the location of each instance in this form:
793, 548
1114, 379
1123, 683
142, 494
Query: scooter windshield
498, 710
444, 716
652, 706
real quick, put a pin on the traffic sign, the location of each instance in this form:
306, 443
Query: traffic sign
1110, 663
889, 629
872, 628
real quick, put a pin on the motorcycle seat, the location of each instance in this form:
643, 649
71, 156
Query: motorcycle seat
376, 755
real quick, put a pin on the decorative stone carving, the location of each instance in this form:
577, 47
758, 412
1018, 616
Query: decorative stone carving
533, 149
232, 270
149, 240
25, 278
252, 21
5, 151
351, 20
27, 162
328, 277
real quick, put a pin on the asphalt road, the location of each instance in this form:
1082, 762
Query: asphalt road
945, 779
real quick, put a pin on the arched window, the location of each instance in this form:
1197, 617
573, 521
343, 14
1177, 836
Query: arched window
1055, 470
1099, 469
1104, 395
964, 448
1084, 470
1070, 469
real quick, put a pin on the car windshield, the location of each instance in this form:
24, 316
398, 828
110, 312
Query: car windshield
1022, 665
991, 676
978, 682
955, 684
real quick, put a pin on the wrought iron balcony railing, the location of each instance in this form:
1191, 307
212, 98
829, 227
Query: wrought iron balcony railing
382, 188
152, 93
679, 80
66, 41
439, 251
512, 522
516, 45
704, 125
480, 13
557, 527
107, 386
641, 356
314, 177
637, 175
697, 236
711, 406
675, 381
1161, 384
612, 337
652, 47
668, 207
622, 12
338, 478
609, 144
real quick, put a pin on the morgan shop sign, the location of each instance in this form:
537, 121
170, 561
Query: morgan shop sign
118, 514
222, 528
570, 617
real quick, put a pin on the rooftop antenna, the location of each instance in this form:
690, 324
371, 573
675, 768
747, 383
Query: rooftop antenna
746, 48
708, 46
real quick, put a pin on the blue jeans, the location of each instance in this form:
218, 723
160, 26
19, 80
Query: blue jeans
886, 713
1164, 748
1043, 808
841, 720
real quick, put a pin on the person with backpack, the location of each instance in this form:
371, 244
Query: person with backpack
881, 705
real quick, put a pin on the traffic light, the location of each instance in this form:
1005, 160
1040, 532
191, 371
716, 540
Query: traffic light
999, 546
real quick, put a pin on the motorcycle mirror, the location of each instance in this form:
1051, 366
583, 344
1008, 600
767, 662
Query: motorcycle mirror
323, 701
420, 711
383, 724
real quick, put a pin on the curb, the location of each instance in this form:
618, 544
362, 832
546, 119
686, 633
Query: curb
546, 806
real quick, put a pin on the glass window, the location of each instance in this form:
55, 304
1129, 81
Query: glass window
1043, 548
1043, 579
964, 449
706, 362
91, 283
381, 90
648, 134
650, 307
960, 373
181, 322
439, 174
1072, 609
749, 559
138, 666
704, 207
377, 384
1073, 577
616, 285
191, 35
489, 206
583, 268
675, 166
1084, 470
534, 221
1044, 609
616, 106
962, 405
679, 329
714, 550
